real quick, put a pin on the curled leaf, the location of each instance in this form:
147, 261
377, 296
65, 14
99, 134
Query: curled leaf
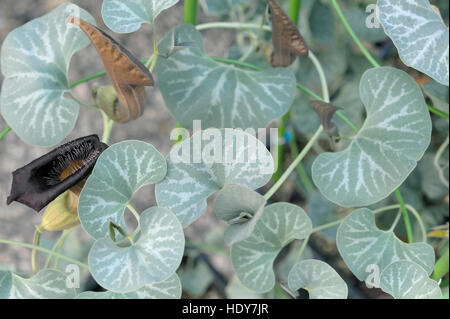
241, 207
287, 40
128, 75
42, 180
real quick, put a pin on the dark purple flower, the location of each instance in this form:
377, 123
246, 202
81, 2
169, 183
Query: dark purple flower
45, 178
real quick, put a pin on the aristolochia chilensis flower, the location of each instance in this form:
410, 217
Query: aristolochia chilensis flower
42, 180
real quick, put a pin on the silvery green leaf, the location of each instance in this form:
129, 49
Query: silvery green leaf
253, 257
321, 23
361, 244
303, 116
120, 171
323, 212
35, 61
241, 207
46, 284
420, 35
318, 278
407, 280
125, 16
154, 257
195, 87
196, 279
394, 137
205, 163
166, 289
236, 290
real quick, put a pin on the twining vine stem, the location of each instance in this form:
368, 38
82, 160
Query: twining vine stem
45, 250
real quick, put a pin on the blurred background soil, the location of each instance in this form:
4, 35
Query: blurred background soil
17, 222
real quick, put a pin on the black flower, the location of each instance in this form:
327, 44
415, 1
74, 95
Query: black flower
42, 180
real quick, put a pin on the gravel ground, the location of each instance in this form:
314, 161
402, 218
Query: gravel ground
17, 221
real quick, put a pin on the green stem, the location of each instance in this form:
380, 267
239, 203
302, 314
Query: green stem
294, 164
325, 226
45, 250
231, 25
437, 112
302, 248
413, 211
352, 34
88, 78
57, 246
107, 127
37, 236
441, 267
300, 169
4, 132
294, 10
312, 141
190, 12
406, 219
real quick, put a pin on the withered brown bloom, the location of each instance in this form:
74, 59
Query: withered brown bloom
128, 75
326, 112
288, 43
42, 180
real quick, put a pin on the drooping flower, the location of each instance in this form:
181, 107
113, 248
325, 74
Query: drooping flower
61, 213
42, 180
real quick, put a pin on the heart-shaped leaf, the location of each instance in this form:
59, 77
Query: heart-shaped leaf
407, 280
394, 137
420, 35
47, 284
205, 163
241, 207
125, 16
35, 60
362, 244
195, 87
318, 278
167, 289
153, 258
119, 172
253, 257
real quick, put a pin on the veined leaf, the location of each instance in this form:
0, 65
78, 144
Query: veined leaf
420, 35
319, 279
362, 244
394, 137
47, 284
253, 257
167, 289
153, 258
241, 207
205, 163
195, 87
35, 61
125, 16
119, 172
407, 280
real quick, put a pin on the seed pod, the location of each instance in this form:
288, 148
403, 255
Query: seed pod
62, 213
42, 180
107, 100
